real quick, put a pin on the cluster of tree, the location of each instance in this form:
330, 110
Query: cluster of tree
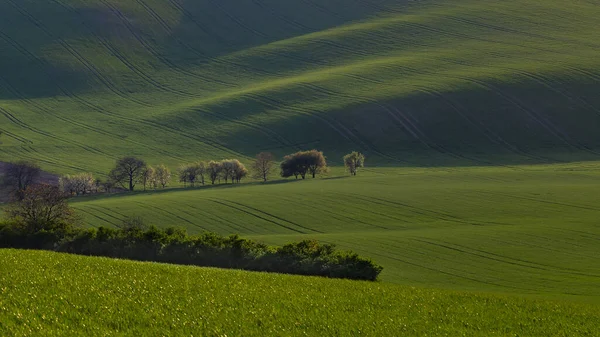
228, 169
130, 171
79, 184
43, 220
302, 163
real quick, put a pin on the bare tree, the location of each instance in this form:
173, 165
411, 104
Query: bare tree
20, 175
263, 165
128, 172
43, 207
163, 175
353, 161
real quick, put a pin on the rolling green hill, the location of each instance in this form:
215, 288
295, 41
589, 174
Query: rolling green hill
413, 83
52, 294
525, 230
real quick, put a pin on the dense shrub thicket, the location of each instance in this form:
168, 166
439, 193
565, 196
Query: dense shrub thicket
173, 245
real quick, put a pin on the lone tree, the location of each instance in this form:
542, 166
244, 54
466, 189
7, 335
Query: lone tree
263, 165
353, 161
20, 175
43, 207
128, 172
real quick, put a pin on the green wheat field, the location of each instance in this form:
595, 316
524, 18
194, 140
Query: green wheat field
479, 121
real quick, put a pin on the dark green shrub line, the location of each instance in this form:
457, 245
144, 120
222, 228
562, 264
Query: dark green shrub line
174, 245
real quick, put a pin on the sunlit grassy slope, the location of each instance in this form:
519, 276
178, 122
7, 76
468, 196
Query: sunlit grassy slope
525, 230
407, 82
51, 294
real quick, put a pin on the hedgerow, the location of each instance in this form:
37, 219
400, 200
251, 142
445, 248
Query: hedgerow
174, 245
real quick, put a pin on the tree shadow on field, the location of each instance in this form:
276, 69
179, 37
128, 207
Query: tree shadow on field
208, 187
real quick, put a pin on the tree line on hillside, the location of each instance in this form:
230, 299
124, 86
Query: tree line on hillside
44, 220
130, 172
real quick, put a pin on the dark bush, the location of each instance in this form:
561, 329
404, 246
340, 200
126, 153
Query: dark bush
136, 241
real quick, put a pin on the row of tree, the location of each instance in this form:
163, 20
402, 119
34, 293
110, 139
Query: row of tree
130, 172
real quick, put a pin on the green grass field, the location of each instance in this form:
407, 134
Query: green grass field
51, 294
478, 119
525, 229
446, 82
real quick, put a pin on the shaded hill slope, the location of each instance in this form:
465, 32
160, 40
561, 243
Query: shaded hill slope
417, 83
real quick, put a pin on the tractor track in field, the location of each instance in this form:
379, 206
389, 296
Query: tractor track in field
505, 259
96, 216
482, 128
84, 102
272, 216
534, 116
422, 251
586, 235
149, 49
410, 121
237, 20
546, 83
206, 215
322, 9
167, 28
457, 273
434, 214
522, 33
266, 131
109, 213
90, 67
156, 54
147, 122
281, 17
261, 217
21, 124
338, 216
549, 239
153, 208
14, 136
589, 208
529, 243
354, 196
196, 22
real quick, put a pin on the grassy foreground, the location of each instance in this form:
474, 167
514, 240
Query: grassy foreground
52, 294
525, 229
